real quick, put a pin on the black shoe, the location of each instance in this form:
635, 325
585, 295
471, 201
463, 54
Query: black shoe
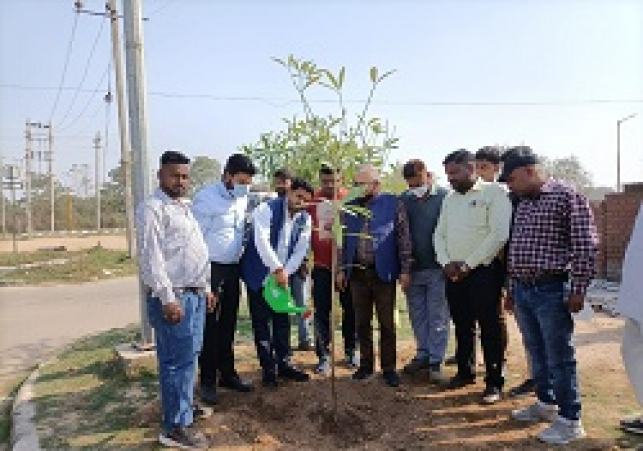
293, 374
526, 388
633, 425
451, 361
184, 438
305, 346
458, 381
201, 413
208, 394
491, 395
362, 374
415, 365
269, 380
391, 378
235, 383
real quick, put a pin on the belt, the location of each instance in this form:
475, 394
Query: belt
181, 290
542, 279
363, 267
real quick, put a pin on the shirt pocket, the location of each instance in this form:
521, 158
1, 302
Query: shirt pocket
477, 210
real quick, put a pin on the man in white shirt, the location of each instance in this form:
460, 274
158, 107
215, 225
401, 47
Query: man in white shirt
630, 305
174, 269
220, 210
277, 245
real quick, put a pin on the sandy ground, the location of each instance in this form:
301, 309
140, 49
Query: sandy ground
116, 242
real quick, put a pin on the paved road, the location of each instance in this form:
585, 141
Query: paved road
35, 321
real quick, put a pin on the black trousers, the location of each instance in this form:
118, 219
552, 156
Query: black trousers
217, 355
322, 298
477, 299
271, 332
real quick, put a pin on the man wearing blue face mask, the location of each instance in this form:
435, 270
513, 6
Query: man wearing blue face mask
426, 297
220, 210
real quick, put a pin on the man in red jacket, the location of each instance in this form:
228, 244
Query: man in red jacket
322, 245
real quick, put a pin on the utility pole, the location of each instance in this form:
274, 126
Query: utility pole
28, 156
3, 207
122, 124
97, 184
137, 95
52, 194
13, 183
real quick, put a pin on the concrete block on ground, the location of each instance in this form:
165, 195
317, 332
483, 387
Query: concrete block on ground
135, 361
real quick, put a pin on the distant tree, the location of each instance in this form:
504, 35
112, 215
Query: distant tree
204, 171
570, 170
392, 180
113, 199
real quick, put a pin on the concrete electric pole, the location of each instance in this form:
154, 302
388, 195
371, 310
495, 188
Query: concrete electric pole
123, 128
97, 181
137, 96
28, 157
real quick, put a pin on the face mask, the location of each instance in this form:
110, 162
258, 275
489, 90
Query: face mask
240, 190
419, 191
356, 192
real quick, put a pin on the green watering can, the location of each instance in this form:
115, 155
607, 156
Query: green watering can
280, 299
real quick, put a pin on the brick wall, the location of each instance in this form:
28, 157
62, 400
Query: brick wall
615, 217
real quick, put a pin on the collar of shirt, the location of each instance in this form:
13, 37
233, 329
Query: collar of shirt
223, 191
160, 194
341, 194
477, 186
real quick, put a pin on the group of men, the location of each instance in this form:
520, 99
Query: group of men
456, 254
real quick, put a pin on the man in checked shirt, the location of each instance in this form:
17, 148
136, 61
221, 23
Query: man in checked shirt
553, 241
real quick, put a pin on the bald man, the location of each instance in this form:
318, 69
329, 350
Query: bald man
376, 253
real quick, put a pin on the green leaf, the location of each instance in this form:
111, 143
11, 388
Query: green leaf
356, 210
373, 74
311, 81
340, 78
331, 79
337, 231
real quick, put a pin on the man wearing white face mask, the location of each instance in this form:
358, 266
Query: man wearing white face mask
427, 303
220, 210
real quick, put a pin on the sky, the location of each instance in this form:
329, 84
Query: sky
555, 75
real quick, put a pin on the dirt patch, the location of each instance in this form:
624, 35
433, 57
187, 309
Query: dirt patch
417, 415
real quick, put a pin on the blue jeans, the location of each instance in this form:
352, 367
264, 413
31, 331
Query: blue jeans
429, 314
547, 326
297, 285
177, 349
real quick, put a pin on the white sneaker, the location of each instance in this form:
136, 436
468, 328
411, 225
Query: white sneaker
562, 431
537, 412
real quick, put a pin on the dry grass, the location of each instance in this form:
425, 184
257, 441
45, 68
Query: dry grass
68, 266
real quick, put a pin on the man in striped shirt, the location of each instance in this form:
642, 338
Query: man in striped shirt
553, 241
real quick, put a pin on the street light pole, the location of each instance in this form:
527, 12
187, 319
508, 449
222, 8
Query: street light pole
618, 149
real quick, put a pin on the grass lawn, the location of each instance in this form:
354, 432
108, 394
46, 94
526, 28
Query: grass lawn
85, 401
73, 267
